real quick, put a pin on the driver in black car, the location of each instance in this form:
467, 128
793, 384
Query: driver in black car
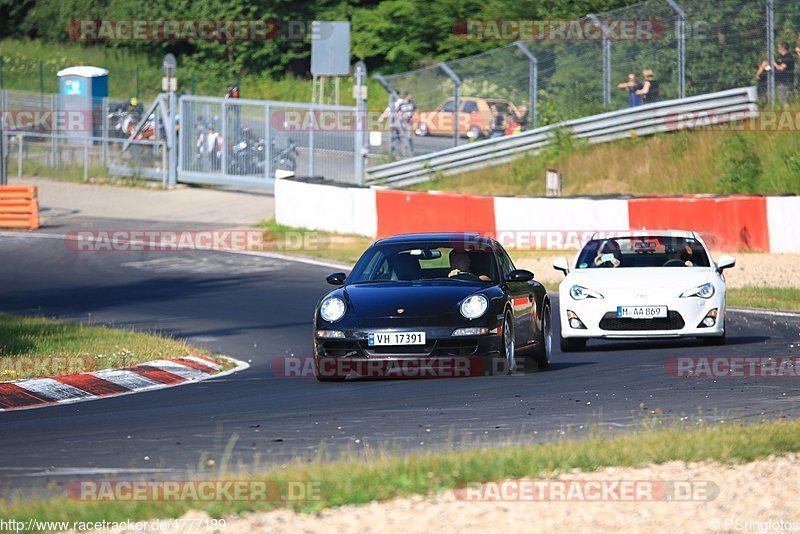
460, 264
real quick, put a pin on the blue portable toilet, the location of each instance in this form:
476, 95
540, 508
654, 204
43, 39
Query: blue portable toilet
82, 90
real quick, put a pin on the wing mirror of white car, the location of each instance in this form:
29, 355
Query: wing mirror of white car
725, 262
561, 264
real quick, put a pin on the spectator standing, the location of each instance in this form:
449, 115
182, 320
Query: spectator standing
522, 117
784, 74
632, 86
761, 79
498, 124
407, 108
649, 90
392, 114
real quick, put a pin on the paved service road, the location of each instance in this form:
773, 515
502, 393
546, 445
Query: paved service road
258, 309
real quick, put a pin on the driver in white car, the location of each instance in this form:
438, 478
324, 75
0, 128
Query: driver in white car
676, 253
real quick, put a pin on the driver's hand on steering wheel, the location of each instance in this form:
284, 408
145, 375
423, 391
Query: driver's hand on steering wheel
454, 272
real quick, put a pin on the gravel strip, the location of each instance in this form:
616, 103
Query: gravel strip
751, 493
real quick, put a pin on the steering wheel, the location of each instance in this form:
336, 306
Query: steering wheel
674, 262
464, 275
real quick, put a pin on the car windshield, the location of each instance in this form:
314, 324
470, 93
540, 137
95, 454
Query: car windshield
419, 261
649, 251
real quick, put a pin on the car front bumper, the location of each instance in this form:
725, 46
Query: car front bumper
684, 318
442, 354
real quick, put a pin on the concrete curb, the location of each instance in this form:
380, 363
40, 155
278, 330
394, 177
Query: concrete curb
148, 376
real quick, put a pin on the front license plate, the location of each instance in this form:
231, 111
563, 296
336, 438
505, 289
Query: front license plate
396, 338
641, 312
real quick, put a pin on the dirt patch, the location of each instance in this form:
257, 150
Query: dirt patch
743, 497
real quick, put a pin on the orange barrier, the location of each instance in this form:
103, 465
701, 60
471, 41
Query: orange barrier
727, 223
403, 212
19, 207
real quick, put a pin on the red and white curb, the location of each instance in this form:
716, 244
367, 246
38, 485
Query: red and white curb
148, 376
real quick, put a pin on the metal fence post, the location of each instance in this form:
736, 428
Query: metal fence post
86, 159
361, 110
171, 140
533, 83
267, 144
681, 30
311, 143
3, 169
771, 51
54, 138
19, 155
606, 59
224, 132
105, 132
456, 99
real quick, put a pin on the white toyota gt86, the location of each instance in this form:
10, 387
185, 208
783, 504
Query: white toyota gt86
643, 285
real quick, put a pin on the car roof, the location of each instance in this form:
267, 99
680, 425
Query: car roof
436, 236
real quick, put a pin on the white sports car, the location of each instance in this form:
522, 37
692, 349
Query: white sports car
643, 285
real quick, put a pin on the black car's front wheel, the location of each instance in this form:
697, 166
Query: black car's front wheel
544, 345
507, 362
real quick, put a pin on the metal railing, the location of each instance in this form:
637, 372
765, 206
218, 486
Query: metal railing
670, 115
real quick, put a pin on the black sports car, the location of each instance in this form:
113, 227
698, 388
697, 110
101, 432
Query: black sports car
431, 305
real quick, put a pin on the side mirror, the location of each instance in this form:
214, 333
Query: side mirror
519, 275
561, 264
725, 262
336, 279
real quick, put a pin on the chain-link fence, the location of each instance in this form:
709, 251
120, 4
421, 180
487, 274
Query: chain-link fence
44, 139
250, 142
561, 70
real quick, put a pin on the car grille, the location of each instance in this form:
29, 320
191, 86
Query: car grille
339, 348
443, 347
673, 321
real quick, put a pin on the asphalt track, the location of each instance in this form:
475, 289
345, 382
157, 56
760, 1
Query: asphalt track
258, 309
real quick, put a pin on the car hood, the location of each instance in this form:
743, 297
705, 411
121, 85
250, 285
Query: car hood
426, 299
632, 277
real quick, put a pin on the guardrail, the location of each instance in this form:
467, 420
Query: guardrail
669, 115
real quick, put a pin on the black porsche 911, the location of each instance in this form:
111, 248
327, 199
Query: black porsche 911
431, 305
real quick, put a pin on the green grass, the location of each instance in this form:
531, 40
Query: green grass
773, 298
365, 477
688, 162
20, 72
315, 244
36, 346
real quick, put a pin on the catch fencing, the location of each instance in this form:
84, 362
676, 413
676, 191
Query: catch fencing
696, 111
566, 69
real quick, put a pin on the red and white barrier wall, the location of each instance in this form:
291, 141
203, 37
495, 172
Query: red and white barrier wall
726, 223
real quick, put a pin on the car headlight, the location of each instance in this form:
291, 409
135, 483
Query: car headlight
332, 309
241, 145
706, 291
474, 306
579, 293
